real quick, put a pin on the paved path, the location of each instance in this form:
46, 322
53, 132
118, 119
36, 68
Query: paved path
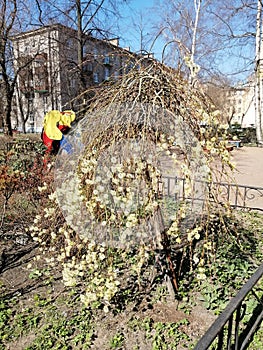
249, 166
248, 171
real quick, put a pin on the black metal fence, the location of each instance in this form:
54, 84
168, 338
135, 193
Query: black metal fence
226, 332
229, 331
237, 196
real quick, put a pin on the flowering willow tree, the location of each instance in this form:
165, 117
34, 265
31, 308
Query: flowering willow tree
145, 126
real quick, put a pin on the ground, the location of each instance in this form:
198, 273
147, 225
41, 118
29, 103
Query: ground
15, 275
17, 251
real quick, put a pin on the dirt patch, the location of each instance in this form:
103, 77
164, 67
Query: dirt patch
22, 343
163, 314
14, 275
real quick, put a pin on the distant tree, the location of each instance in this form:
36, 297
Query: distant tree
98, 18
8, 12
139, 32
217, 89
91, 17
217, 36
14, 18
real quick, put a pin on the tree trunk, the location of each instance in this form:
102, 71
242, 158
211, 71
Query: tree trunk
258, 69
80, 45
193, 66
8, 125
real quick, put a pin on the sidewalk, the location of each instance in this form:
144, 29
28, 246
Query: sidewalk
249, 166
249, 172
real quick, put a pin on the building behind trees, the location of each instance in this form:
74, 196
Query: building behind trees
50, 76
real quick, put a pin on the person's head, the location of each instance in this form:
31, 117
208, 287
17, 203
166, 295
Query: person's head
67, 117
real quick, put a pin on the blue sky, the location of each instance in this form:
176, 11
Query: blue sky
132, 14
148, 10
142, 3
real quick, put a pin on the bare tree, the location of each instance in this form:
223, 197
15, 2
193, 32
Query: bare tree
217, 36
14, 18
258, 69
138, 32
8, 12
98, 18
86, 18
217, 89
89, 18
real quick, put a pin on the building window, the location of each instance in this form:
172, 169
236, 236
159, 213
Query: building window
95, 52
69, 43
72, 83
25, 74
31, 117
107, 60
85, 50
107, 73
41, 73
87, 67
116, 75
96, 77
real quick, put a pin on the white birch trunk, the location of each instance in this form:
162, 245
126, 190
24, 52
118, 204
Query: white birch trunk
193, 67
258, 69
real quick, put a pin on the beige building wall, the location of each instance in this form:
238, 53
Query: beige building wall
241, 105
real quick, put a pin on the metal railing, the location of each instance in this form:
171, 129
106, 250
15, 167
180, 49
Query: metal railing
226, 333
226, 328
237, 196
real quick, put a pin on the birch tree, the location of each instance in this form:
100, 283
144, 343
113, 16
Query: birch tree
194, 68
259, 74
217, 36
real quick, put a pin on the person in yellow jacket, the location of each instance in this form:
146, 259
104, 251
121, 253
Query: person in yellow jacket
56, 125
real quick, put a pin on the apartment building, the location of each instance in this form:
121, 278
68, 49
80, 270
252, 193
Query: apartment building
236, 103
49, 76
240, 102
